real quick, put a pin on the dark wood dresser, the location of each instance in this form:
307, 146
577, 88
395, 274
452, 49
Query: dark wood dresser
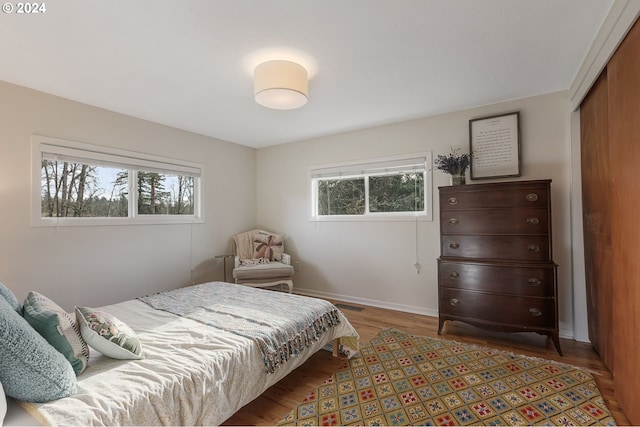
496, 267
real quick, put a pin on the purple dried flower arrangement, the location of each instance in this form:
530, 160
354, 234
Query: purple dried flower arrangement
453, 163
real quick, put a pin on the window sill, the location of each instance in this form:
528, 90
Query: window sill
371, 218
84, 222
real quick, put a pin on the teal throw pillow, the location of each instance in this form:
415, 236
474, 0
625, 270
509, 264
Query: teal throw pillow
30, 368
11, 298
108, 335
59, 328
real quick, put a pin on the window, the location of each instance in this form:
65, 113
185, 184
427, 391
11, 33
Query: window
387, 188
82, 184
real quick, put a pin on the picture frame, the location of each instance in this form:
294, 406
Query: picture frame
494, 144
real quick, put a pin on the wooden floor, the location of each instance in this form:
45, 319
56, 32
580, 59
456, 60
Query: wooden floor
274, 404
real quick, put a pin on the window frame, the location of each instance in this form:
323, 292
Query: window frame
349, 170
42, 146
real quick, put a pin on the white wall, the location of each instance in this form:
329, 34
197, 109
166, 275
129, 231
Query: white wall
106, 264
373, 262
580, 314
370, 262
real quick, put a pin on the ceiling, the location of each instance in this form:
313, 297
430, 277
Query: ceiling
188, 64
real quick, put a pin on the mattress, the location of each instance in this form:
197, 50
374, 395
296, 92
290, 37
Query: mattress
192, 373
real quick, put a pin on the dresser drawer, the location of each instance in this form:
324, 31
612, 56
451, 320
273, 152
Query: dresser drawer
520, 311
467, 199
496, 221
507, 279
524, 248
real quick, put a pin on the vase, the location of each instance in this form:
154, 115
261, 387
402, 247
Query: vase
458, 180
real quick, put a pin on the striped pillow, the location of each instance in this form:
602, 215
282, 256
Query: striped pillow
59, 328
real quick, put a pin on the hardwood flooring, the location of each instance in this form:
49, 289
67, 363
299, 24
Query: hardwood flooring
274, 404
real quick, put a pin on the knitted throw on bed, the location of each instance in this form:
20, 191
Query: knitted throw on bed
282, 325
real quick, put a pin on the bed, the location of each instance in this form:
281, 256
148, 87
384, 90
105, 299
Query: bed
208, 350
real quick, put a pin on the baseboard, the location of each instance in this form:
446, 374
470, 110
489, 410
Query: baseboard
564, 333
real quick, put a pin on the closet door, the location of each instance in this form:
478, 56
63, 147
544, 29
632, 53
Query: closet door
624, 161
596, 195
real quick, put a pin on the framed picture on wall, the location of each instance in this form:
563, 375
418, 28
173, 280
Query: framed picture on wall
494, 144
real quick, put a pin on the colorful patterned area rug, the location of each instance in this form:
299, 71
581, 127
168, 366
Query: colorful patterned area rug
402, 379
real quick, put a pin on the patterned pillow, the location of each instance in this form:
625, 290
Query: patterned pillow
58, 328
30, 368
108, 335
11, 298
269, 246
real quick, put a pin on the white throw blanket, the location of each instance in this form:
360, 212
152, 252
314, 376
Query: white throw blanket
289, 326
244, 244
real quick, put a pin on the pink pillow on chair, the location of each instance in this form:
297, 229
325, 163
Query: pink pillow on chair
269, 246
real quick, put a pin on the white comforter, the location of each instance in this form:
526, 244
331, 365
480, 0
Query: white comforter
192, 374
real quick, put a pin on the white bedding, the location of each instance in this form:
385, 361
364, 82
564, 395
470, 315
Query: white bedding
192, 374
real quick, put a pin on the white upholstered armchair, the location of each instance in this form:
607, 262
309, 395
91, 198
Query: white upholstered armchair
260, 260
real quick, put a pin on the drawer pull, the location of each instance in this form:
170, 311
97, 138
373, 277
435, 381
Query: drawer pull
454, 221
535, 312
533, 248
534, 282
454, 302
532, 197
533, 221
454, 245
454, 275
453, 200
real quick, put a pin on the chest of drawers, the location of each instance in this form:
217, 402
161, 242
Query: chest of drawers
496, 266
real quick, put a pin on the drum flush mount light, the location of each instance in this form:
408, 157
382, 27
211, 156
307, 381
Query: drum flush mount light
281, 85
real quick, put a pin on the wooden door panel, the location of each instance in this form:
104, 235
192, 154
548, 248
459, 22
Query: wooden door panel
596, 193
624, 146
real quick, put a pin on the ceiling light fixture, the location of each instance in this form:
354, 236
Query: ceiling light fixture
280, 85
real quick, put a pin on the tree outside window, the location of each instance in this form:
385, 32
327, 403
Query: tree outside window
84, 190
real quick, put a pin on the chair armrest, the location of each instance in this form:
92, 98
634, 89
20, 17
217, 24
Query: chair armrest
236, 261
286, 259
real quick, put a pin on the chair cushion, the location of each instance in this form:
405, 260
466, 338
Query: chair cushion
272, 270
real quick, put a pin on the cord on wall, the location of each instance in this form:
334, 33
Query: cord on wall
415, 199
192, 273
417, 264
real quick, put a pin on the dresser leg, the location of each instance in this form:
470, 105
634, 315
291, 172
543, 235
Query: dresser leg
556, 342
440, 324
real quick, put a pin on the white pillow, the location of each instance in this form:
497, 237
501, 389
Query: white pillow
108, 335
3, 404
